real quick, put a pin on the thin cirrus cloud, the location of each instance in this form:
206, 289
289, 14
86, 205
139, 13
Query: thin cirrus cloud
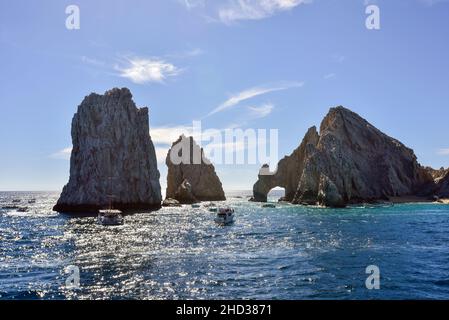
251, 93
432, 2
147, 70
63, 154
261, 111
443, 152
230, 11
166, 135
255, 9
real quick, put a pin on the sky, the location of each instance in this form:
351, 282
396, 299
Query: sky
262, 64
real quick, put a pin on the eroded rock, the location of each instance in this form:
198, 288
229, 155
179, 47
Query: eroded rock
191, 177
112, 155
169, 202
349, 161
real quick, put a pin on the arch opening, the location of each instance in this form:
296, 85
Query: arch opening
276, 194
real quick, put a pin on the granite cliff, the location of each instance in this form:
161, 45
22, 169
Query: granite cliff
112, 155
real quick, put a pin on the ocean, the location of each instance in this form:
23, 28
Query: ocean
287, 252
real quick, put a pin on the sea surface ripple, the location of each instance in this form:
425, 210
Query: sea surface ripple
287, 252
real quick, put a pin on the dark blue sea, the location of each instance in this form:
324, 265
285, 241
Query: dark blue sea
287, 252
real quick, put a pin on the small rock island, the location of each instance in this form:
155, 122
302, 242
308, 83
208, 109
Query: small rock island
349, 161
193, 177
112, 156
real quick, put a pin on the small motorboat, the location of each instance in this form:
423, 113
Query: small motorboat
32, 201
110, 217
213, 209
9, 207
225, 216
16, 201
22, 209
196, 205
269, 205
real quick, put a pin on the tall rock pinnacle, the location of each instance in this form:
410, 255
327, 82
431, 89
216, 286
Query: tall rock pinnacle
112, 155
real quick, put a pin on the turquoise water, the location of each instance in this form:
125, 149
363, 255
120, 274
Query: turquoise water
287, 252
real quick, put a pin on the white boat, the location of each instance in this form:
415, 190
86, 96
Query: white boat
225, 216
110, 217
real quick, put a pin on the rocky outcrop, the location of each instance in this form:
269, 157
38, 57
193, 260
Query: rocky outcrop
112, 155
169, 202
191, 177
437, 174
283, 177
442, 184
349, 161
328, 194
184, 193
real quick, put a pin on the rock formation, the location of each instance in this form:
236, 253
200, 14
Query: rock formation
191, 177
169, 202
112, 155
349, 161
288, 172
442, 183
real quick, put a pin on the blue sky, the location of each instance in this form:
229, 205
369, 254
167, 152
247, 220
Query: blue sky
271, 63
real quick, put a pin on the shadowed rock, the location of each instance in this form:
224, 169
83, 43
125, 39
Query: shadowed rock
442, 182
112, 154
191, 177
349, 161
286, 176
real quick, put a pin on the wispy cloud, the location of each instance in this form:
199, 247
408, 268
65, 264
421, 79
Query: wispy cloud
262, 111
166, 135
229, 11
63, 154
443, 152
186, 54
255, 9
146, 70
93, 61
143, 70
339, 58
432, 2
251, 93
329, 76
190, 4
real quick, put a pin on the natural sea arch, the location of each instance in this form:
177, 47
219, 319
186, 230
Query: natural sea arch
276, 193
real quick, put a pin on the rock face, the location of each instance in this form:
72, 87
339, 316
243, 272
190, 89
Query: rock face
170, 203
288, 172
112, 154
184, 193
191, 177
442, 184
349, 161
